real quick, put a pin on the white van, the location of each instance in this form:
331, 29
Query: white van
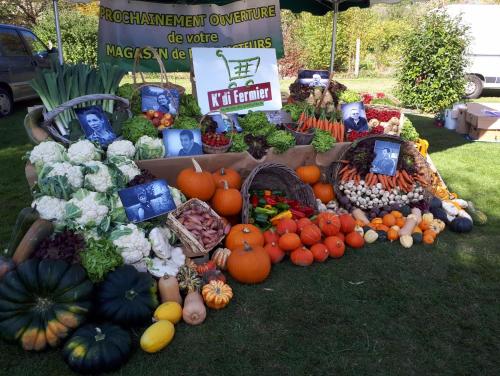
484, 23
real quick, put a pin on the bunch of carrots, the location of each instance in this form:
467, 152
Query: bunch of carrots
308, 120
401, 179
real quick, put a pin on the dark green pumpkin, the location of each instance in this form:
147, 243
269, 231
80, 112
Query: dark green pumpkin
382, 236
405, 210
127, 297
93, 349
440, 213
461, 225
417, 237
436, 203
41, 301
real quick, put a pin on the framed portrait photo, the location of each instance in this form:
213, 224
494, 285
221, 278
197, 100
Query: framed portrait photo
354, 117
224, 122
95, 125
146, 201
313, 78
159, 99
386, 158
182, 142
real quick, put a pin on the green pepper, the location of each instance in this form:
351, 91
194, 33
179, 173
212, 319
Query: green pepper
261, 219
269, 212
278, 193
281, 206
262, 202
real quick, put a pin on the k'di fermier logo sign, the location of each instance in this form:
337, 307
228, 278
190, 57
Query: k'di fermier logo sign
236, 79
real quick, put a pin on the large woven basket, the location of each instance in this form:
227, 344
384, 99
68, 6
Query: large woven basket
192, 247
303, 138
333, 170
209, 149
275, 176
38, 129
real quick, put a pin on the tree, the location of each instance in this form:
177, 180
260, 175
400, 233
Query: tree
23, 12
431, 76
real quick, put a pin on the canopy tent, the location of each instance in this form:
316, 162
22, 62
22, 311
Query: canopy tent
316, 7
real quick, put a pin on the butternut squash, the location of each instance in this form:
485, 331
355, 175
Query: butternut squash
410, 224
194, 311
169, 289
360, 216
417, 213
39, 230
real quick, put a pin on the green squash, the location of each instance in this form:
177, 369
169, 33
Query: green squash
382, 236
436, 203
417, 237
127, 297
461, 225
93, 349
41, 301
478, 216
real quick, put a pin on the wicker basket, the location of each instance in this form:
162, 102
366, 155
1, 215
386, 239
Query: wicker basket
192, 247
164, 82
209, 149
275, 176
32, 122
334, 169
382, 107
302, 138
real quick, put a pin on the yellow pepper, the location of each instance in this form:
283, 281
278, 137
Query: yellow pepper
283, 215
268, 193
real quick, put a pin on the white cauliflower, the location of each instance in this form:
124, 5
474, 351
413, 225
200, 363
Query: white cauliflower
86, 209
97, 177
131, 242
149, 148
177, 195
123, 148
47, 152
73, 173
160, 244
126, 166
160, 267
178, 256
50, 208
84, 151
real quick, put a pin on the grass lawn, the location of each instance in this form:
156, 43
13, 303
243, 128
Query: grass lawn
381, 310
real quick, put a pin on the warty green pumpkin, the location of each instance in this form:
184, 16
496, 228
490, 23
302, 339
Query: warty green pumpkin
94, 349
42, 301
127, 297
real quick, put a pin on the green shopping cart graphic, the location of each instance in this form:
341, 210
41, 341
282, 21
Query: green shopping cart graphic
240, 69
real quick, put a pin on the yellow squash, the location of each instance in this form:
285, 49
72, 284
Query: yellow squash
170, 311
157, 336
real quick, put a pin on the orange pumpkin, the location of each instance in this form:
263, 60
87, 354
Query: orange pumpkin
354, 240
302, 256
392, 234
227, 201
275, 252
205, 267
249, 264
241, 233
400, 222
286, 225
271, 236
382, 228
424, 226
229, 175
309, 174
396, 214
389, 220
303, 222
347, 223
430, 232
324, 191
320, 252
311, 234
289, 241
196, 183
329, 223
428, 239
335, 245
341, 236
377, 221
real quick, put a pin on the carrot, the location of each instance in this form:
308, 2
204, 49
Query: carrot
302, 117
406, 176
345, 168
344, 161
335, 132
342, 131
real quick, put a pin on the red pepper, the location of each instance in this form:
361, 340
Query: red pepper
296, 214
270, 200
254, 200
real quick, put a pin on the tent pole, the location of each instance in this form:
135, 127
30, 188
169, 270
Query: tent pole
58, 33
334, 33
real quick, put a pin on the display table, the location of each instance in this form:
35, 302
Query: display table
244, 163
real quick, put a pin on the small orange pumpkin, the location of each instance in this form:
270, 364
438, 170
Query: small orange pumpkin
320, 252
329, 223
227, 201
310, 235
428, 239
286, 225
275, 252
271, 236
249, 264
229, 175
424, 226
196, 183
354, 240
396, 214
309, 174
377, 221
389, 220
205, 267
289, 242
324, 191
335, 245
302, 256
347, 223
242, 233
400, 222
392, 234
303, 222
